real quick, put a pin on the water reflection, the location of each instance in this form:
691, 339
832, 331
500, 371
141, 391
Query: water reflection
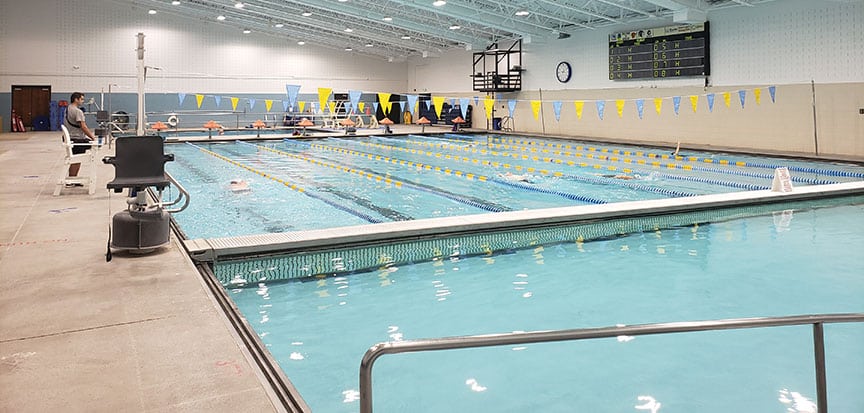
648, 403
796, 402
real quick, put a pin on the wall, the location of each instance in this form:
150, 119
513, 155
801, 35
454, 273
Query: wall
86, 45
784, 43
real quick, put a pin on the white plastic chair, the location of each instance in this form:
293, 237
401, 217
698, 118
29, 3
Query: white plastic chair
88, 158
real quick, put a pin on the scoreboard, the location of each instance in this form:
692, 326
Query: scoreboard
662, 52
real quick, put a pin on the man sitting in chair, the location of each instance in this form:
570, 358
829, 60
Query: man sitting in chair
79, 133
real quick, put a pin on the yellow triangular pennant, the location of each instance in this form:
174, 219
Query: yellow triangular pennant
301, 105
488, 104
332, 105
438, 102
234, 103
694, 100
658, 104
384, 101
323, 97
199, 99
535, 108
727, 98
619, 104
758, 94
580, 105
268, 104
361, 106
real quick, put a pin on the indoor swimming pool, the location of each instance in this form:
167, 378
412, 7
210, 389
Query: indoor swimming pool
295, 185
772, 260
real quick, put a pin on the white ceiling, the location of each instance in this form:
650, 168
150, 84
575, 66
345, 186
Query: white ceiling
419, 28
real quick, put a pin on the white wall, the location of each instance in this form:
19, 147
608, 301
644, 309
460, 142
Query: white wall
781, 42
41, 41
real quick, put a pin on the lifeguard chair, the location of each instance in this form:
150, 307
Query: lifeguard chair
88, 158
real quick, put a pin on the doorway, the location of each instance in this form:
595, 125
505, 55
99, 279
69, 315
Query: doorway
31, 102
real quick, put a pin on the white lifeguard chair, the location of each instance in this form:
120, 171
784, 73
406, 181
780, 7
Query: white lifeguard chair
88, 158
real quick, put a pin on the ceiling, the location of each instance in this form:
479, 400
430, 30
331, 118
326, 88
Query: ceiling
397, 29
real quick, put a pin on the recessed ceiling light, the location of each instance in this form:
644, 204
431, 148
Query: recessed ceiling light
238, 5
348, 49
306, 13
247, 31
342, 1
455, 27
151, 11
301, 43
348, 30
406, 37
387, 19
439, 3
220, 18
175, 2
523, 13
279, 25
369, 45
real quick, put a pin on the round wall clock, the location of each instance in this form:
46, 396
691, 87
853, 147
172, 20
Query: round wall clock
563, 72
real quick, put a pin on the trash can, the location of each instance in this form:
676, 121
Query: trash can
496, 123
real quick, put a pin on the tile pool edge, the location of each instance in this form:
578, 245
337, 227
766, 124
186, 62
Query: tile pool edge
208, 250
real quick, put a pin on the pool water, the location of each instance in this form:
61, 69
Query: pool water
332, 182
784, 260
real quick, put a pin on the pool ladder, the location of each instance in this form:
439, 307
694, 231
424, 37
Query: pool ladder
451, 343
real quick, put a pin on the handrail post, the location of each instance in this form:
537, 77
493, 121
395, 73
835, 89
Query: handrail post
819, 355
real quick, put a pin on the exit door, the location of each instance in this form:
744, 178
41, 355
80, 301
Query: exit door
31, 102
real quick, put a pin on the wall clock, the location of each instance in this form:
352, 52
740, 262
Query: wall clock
563, 72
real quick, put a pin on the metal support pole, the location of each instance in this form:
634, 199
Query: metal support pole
139, 130
819, 355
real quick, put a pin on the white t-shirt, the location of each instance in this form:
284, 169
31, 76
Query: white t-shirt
74, 117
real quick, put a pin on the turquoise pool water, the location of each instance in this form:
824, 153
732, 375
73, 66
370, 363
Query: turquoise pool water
332, 182
768, 261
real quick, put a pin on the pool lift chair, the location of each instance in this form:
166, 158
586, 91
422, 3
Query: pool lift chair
139, 164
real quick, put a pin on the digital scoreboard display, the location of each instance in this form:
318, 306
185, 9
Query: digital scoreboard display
662, 52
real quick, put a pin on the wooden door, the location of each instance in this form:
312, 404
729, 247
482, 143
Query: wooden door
30, 102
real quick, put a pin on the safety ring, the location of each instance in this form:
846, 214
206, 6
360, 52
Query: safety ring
172, 121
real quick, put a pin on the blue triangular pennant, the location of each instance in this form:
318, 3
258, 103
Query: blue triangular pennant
375, 106
742, 94
710, 97
284, 105
354, 97
463, 104
601, 105
292, 91
511, 104
251, 103
640, 107
428, 104
556, 106
182, 97
772, 90
218, 100
412, 102
676, 103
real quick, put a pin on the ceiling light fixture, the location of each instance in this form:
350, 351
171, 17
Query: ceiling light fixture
247, 31
151, 11
301, 43
279, 25
348, 49
455, 27
348, 30
387, 19
439, 3
175, 2
306, 13
523, 13
406, 37
238, 5
220, 18
369, 45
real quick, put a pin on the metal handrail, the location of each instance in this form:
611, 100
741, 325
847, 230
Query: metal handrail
451, 343
184, 195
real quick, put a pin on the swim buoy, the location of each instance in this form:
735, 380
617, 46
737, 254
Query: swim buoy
172, 121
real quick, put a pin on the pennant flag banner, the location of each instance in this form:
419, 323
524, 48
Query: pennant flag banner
251, 103
511, 104
488, 104
384, 102
640, 107
658, 105
580, 105
535, 108
428, 104
742, 95
727, 99
292, 91
375, 108
301, 106
601, 107
710, 98
619, 105
476, 101
463, 104
676, 104
268, 103
234, 103
284, 105
361, 106
332, 106
218, 100
354, 97
323, 97
757, 93
182, 97
199, 99
403, 104
556, 106
453, 102
349, 108
438, 102
694, 101
772, 90
412, 102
